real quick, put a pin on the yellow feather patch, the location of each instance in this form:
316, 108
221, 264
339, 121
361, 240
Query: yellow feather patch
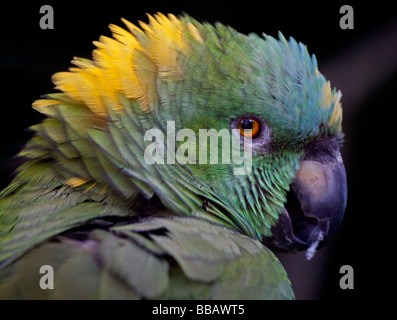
127, 63
329, 99
337, 112
326, 95
44, 106
90, 187
165, 40
195, 33
75, 182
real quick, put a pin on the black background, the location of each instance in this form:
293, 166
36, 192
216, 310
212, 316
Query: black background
361, 62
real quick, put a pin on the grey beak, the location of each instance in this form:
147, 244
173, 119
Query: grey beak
315, 205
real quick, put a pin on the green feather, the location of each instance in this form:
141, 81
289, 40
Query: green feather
157, 258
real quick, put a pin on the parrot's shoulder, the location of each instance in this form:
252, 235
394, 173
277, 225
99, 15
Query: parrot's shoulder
38, 205
162, 257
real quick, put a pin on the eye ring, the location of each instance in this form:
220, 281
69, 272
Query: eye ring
249, 124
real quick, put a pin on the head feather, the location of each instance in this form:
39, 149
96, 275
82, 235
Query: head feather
129, 63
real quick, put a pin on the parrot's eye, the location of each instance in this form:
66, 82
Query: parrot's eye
249, 124
260, 137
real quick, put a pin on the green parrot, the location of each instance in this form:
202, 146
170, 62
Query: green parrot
123, 194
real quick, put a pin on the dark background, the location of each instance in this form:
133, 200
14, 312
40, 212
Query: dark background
362, 63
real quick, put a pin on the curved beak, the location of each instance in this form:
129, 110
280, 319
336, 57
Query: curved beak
315, 206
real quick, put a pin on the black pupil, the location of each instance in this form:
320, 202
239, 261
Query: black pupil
247, 124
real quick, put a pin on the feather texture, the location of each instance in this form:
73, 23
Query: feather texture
175, 258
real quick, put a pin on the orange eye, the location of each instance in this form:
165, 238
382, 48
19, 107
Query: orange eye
249, 123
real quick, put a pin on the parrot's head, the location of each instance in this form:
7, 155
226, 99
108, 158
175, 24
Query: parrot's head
293, 193
286, 185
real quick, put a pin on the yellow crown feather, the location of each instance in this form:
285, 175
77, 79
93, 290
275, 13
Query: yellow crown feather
329, 99
128, 63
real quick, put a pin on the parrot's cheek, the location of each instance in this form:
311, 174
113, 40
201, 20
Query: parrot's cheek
314, 208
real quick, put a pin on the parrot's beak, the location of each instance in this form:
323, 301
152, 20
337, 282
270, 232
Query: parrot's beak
315, 204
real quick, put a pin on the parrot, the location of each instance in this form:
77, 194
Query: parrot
119, 195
